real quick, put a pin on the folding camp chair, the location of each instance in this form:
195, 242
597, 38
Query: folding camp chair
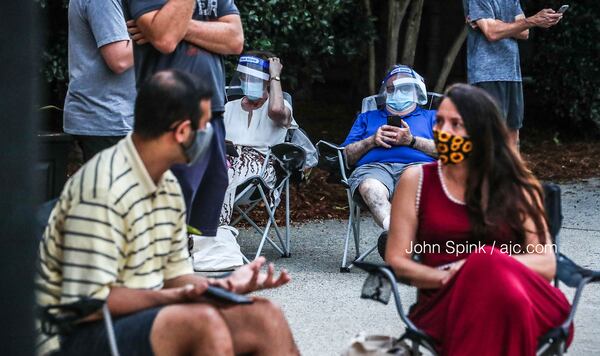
333, 160
290, 160
382, 282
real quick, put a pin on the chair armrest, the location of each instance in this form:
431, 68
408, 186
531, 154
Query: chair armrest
574, 276
330, 145
333, 160
571, 274
383, 281
290, 156
61, 318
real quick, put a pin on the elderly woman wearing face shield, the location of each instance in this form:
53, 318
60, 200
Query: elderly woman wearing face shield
383, 142
477, 220
258, 120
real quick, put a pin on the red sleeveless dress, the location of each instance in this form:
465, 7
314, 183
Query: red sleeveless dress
494, 305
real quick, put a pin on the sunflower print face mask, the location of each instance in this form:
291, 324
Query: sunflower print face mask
451, 149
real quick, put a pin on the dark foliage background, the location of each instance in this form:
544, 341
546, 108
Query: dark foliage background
565, 66
319, 40
306, 34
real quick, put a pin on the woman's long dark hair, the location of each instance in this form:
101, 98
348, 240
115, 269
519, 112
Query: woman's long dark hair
501, 192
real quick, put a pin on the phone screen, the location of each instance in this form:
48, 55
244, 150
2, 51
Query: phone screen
394, 121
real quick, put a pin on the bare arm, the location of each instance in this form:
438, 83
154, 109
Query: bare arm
118, 56
495, 30
356, 150
523, 35
123, 301
223, 36
166, 27
278, 112
381, 138
537, 256
426, 146
402, 235
182, 289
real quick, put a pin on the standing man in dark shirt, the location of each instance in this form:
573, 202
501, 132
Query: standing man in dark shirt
192, 36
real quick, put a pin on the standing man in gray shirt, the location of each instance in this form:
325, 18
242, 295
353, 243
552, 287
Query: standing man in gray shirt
493, 53
192, 36
99, 102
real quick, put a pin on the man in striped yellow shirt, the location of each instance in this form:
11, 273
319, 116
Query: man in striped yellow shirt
118, 234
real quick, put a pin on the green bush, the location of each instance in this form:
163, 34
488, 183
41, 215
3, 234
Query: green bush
307, 35
566, 67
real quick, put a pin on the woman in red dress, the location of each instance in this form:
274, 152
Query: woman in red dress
476, 218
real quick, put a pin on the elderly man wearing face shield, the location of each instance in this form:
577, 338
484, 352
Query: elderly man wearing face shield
258, 120
383, 142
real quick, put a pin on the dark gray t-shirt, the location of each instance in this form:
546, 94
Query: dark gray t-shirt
99, 102
492, 61
186, 57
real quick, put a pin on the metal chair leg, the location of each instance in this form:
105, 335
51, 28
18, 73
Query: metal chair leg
262, 240
357, 230
288, 246
245, 217
344, 268
110, 331
271, 214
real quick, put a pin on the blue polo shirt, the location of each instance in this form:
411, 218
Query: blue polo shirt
420, 121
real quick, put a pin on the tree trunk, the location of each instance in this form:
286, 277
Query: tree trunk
370, 54
396, 11
449, 60
433, 9
412, 33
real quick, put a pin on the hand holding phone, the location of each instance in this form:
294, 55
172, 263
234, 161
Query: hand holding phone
230, 149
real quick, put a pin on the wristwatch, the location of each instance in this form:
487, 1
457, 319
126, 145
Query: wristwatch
276, 78
412, 142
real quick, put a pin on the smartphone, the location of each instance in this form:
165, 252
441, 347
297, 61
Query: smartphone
562, 9
225, 296
394, 121
230, 149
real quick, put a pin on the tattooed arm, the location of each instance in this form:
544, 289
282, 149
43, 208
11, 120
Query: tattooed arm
425, 145
356, 150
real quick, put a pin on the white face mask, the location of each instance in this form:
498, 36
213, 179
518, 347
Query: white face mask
252, 89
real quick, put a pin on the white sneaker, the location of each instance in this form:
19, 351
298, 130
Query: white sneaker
217, 253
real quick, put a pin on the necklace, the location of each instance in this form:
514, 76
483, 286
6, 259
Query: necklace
445, 188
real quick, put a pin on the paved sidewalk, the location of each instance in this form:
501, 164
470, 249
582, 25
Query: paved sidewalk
324, 308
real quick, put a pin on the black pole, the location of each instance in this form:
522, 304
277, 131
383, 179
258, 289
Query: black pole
18, 66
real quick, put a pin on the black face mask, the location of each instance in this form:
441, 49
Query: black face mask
451, 149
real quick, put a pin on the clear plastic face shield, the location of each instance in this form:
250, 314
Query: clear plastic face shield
251, 76
402, 87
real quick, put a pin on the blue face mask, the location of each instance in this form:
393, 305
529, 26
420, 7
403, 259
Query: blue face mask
252, 89
400, 100
199, 145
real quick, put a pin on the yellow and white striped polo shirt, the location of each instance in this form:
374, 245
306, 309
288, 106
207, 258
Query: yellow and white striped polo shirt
113, 226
